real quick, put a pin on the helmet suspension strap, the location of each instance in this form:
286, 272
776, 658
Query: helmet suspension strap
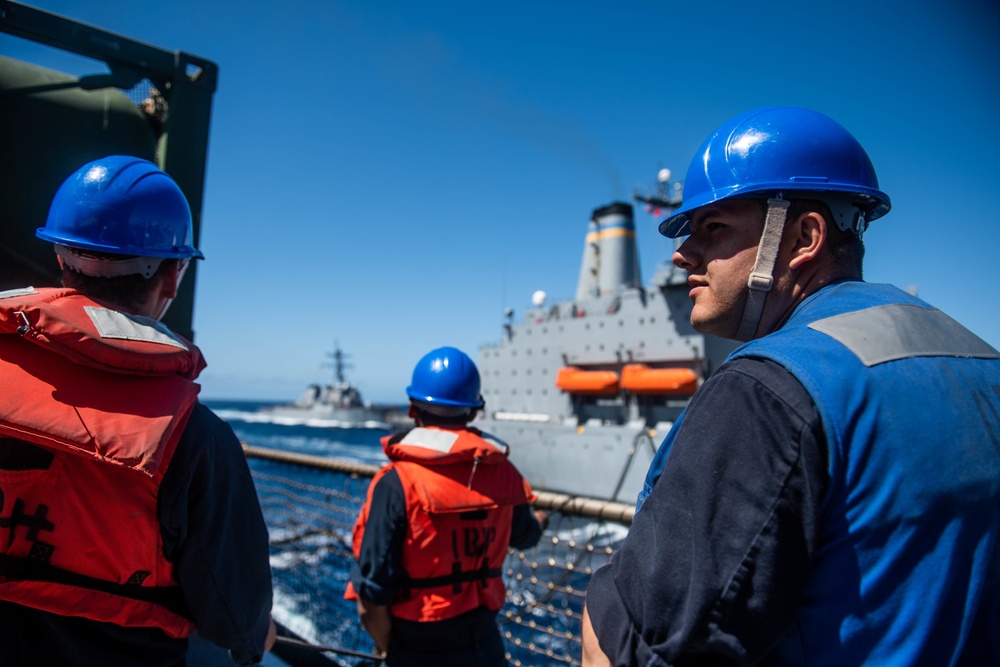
91, 265
761, 277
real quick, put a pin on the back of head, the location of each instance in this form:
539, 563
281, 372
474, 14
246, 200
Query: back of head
445, 385
788, 152
120, 205
114, 221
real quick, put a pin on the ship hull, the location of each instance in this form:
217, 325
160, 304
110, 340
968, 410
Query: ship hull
327, 413
600, 461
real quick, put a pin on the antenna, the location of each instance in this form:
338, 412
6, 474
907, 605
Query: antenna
338, 364
664, 197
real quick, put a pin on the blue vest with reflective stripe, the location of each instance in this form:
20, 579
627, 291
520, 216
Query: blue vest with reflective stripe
907, 557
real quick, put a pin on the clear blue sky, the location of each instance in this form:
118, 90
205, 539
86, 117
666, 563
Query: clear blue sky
393, 174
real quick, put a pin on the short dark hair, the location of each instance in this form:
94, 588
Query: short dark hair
129, 292
430, 419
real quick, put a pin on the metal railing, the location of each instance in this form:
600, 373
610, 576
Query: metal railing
310, 504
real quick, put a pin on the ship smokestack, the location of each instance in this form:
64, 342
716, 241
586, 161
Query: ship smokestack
610, 254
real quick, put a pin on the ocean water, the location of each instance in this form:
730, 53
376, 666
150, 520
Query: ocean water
317, 437
310, 514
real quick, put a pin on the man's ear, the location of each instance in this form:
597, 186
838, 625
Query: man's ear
171, 279
807, 236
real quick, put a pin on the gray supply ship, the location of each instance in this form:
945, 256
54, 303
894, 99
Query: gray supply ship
338, 402
584, 391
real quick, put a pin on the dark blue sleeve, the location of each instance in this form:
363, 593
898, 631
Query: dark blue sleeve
714, 562
214, 533
379, 569
525, 529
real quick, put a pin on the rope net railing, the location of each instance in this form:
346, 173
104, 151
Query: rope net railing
310, 504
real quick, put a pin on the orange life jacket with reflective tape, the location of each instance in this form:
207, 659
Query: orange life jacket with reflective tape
460, 491
108, 395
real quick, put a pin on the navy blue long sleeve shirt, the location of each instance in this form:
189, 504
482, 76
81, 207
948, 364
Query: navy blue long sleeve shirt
716, 559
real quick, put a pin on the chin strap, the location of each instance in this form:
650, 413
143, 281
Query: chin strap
761, 277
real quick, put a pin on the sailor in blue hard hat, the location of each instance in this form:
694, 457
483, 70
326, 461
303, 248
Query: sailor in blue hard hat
768, 158
433, 534
831, 494
153, 529
122, 217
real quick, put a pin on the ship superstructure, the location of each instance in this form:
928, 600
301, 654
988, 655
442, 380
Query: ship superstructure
338, 401
584, 390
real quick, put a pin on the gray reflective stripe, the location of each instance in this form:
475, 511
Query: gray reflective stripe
20, 291
885, 333
440, 441
115, 324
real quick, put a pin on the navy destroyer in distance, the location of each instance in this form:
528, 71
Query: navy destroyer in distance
338, 401
585, 390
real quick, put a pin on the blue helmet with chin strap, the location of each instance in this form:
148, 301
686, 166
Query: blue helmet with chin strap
446, 377
121, 205
772, 150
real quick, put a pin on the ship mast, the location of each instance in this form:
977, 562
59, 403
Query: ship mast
664, 199
661, 202
338, 363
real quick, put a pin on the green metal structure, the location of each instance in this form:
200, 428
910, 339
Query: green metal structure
150, 102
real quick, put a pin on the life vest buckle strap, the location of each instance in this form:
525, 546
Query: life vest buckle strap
457, 577
24, 569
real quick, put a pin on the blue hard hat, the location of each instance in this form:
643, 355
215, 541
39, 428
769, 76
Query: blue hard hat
446, 376
122, 205
778, 150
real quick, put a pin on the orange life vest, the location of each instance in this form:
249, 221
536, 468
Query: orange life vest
460, 491
108, 394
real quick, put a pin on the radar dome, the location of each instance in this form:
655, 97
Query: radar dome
538, 298
663, 175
